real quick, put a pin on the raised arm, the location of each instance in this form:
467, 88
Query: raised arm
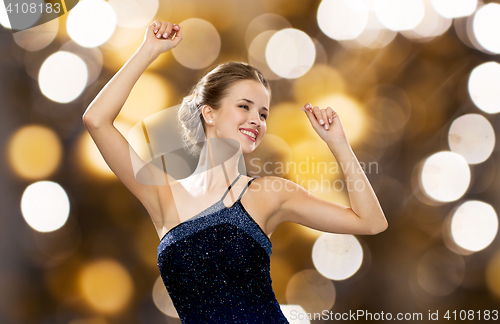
365, 216
102, 111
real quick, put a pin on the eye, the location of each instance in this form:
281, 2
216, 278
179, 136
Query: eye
264, 115
245, 106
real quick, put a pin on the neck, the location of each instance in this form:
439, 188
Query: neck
218, 163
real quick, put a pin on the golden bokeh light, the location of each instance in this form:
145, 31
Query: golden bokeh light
295, 314
454, 8
134, 13
146, 238
124, 38
90, 159
432, 25
483, 87
321, 79
467, 32
492, 275
91, 56
311, 290
263, 23
314, 167
337, 256
310, 233
350, 113
34, 152
474, 225
448, 239
400, 15
473, 137
45, 206
106, 286
342, 20
374, 35
289, 122
151, 94
281, 272
38, 37
162, 299
103, 19
486, 27
123, 44
290, 53
257, 54
63, 77
445, 176
202, 48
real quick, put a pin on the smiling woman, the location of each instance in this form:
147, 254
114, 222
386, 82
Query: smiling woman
212, 103
214, 251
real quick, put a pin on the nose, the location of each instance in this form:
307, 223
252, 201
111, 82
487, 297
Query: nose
255, 120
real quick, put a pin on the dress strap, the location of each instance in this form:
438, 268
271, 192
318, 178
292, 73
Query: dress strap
229, 188
245, 189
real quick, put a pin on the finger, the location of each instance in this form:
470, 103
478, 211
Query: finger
324, 118
152, 27
156, 25
175, 30
178, 35
162, 28
168, 30
319, 115
309, 108
329, 113
310, 115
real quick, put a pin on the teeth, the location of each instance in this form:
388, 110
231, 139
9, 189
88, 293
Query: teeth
252, 135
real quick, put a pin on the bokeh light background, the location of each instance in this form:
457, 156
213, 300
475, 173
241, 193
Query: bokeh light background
415, 82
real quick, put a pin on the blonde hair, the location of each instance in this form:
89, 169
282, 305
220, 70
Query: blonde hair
210, 90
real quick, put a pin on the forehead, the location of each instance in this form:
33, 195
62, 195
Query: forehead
249, 89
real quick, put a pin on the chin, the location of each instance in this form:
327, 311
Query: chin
247, 146
248, 149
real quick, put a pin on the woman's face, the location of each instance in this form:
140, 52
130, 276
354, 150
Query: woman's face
244, 110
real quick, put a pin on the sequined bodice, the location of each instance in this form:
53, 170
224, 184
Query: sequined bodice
216, 267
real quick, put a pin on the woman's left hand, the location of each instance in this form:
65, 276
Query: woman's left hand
326, 122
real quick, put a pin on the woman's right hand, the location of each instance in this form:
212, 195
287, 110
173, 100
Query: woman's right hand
158, 37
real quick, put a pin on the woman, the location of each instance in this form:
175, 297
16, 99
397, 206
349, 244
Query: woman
214, 261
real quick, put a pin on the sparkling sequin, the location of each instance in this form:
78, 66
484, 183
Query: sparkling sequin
216, 267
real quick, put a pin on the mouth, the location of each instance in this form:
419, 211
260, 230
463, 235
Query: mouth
248, 134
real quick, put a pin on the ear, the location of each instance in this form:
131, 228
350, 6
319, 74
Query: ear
208, 113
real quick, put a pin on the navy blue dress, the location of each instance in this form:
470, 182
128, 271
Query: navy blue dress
216, 267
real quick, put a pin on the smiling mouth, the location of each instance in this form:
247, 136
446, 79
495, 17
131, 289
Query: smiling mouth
248, 134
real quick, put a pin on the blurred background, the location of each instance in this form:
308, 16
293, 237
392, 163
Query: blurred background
416, 84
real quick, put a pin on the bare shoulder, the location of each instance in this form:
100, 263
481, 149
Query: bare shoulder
271, 193
279, 189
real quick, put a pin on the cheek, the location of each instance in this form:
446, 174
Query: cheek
237, 117
263, 131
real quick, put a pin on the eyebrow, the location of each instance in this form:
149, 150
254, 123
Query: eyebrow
250, 101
